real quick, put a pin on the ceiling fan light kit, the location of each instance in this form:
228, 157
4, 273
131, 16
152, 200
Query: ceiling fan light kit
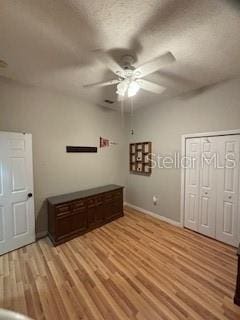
129, 87
130, 79
133, 88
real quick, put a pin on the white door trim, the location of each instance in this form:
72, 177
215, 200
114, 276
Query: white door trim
183, 154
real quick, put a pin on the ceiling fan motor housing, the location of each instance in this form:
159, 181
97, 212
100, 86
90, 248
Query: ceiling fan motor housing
127, 65
127, 62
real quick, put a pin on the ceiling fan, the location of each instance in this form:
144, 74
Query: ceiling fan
130, 79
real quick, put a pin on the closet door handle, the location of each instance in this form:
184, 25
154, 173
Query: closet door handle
206, 193
229, 197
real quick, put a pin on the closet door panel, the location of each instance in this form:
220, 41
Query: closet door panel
238, 217
228, 190
238, 228
192, 184
208, 192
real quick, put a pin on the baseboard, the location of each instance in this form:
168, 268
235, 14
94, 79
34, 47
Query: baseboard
155, 215
40, 235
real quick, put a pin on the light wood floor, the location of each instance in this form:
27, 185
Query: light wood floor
134, 268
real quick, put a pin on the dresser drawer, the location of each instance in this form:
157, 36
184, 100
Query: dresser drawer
63, 209
79, 203
118, 194
109, 196
91, 202
99, 200
79, 206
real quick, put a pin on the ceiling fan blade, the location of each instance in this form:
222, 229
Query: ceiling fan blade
107, 60
154, 65
150, 86
102, 84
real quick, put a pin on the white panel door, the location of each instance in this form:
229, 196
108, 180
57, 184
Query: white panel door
17, 219
208, 187
192, 183
228, 190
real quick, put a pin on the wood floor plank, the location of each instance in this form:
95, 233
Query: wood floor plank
136, 267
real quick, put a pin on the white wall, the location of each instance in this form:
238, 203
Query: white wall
217, 108
55, 121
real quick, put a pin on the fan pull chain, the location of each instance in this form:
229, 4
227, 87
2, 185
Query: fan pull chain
131, 110
122, 113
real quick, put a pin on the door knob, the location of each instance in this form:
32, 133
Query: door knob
30, 195
230, 197
206, 193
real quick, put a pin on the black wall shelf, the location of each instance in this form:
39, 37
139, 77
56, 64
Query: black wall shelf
76, 149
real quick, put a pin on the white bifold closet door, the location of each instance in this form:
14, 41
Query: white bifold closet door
192, 184
207, 187
228, 216
212, 187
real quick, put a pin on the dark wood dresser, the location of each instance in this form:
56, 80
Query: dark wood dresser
71, 215
237, 293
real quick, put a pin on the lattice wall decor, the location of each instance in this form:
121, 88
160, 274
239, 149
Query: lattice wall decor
140, 158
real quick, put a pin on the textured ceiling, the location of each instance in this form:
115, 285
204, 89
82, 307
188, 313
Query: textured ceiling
51, 43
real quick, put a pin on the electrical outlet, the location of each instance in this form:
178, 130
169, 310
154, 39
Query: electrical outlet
155, 199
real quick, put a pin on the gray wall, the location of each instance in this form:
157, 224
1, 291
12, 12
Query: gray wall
55, 121
217, 108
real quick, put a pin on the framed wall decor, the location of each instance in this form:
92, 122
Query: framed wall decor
140, 158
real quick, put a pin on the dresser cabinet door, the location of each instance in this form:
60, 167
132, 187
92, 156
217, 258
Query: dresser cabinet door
99, 215
63, 226
63, 220
113, 205
95, 211
71, 218
79, 217
91, 207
